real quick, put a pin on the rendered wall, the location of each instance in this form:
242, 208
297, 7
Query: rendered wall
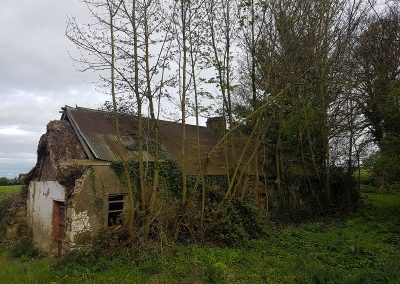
87, 207
41, 196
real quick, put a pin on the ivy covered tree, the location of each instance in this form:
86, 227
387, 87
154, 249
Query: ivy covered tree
303, 64
378, 58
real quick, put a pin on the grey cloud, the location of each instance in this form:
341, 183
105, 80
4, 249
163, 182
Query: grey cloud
31, 111
27, 114
34, 48
37, 76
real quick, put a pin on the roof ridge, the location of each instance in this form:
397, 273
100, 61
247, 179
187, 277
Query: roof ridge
135, 116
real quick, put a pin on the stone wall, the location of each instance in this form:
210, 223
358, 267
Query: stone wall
87, 207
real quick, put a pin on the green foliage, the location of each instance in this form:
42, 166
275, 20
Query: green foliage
3, 181
238, 222
383, 167
228, 228
364, 248
8, 195
170, 175
391, 109
98, 194
364, 176
24, 248
24, 270
387, 163
379, 59
88, 263
386, 166
10, 182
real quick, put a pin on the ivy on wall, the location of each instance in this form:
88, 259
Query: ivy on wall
98, 199
170, 176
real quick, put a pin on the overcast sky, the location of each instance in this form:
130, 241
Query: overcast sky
37, 76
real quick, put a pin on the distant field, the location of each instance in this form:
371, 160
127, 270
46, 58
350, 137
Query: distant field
362, 248
6, 190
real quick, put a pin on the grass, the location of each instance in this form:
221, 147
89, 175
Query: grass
364, 248
7, 190
24, 270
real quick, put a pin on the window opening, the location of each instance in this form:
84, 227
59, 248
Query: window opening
115, 209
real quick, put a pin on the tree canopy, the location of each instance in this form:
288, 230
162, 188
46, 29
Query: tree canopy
312, 85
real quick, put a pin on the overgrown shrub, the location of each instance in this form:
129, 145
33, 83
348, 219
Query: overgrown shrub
384, 165
24, 248
108, 242
237, 222
4, 214
8, 208
77, 263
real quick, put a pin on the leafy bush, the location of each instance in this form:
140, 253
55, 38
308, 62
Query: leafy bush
365, 176
237, 222
11, 202
369, 189
24, 248
214, 272
4, 181
5, 204
385, 164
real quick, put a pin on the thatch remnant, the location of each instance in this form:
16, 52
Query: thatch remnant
58, 144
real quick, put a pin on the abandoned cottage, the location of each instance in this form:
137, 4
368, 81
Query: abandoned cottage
74, 193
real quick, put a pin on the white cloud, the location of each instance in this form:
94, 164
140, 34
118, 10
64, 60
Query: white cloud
13, 131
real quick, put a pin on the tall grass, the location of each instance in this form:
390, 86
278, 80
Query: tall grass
24, 270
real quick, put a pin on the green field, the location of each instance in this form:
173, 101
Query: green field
7, 190
364, 248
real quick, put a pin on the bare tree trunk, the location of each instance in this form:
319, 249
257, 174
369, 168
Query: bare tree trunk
142, 182
154, 124
131, 213
278, 153
196, 102
183, 11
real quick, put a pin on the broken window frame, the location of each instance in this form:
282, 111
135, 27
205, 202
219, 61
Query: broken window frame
114, 217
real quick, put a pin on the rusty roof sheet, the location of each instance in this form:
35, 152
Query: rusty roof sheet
96, 129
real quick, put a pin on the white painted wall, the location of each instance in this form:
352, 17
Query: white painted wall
40, 210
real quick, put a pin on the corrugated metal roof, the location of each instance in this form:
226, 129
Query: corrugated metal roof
96, 129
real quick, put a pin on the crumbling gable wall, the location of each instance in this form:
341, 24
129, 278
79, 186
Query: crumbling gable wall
58, 144
48, 183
